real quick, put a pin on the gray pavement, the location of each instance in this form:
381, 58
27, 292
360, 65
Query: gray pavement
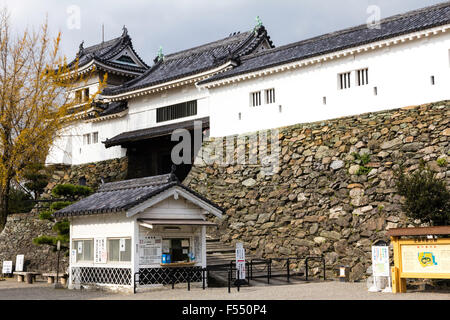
330, 290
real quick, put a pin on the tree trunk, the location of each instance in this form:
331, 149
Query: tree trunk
4, 205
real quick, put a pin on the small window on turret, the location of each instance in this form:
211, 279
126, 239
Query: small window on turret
78, 96
125, 59
86, 95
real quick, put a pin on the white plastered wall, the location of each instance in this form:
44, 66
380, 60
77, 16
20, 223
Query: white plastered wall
402, 74
69, 149
142, 110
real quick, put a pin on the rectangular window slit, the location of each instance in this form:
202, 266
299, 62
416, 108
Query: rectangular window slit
344, 80
176, 111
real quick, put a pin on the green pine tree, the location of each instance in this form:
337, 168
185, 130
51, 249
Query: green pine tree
68, 194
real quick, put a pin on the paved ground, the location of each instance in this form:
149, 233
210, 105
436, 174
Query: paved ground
330, 290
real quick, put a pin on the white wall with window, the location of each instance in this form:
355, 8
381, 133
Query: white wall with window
82, 143
83, 90
143, 110
101, 247
78, 144
402, 74
116, 230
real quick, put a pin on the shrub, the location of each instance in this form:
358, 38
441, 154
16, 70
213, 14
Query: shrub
59, 205
46, 215
442, 162
71, 191
426, 198
363, 159
363, 170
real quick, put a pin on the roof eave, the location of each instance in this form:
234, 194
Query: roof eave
321, 57
171, 84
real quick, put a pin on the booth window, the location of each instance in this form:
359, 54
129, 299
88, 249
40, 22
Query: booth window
85, 249
178, 248
119, 250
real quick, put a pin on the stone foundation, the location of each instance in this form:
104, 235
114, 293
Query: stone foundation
320, 201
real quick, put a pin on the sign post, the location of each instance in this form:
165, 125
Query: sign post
380, 266
19, 262
240, 262
7, 268
58, 248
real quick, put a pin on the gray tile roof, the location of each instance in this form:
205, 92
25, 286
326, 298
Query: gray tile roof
148, 133
112, 108
105, 51
195, 60
123, 195
409, 22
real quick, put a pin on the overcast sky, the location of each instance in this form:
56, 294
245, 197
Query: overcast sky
181, 24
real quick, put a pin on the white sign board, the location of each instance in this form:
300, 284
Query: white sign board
7, 267
19, 262
100, 254
80, 247
150, 250
240, 260
380, 261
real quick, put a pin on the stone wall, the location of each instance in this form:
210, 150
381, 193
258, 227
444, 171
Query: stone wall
17, 236
110, 170
320, 201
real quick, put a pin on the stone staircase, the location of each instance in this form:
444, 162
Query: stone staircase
219, 255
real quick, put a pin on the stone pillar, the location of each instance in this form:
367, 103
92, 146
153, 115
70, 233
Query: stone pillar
29, 278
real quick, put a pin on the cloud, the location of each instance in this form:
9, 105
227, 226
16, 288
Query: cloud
181, 24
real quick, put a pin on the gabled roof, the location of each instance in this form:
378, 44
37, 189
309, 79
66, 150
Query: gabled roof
104, 55
195, 60
394, 26
153, 132
124, 195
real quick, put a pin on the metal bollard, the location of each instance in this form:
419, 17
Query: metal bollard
229, 281
203, 279
189, 279
287, 266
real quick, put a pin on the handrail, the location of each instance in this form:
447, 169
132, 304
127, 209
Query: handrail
321, 258
230, 267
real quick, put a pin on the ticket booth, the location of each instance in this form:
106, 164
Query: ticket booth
142, 231
422, 253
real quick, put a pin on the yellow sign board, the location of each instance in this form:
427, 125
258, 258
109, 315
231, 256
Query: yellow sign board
425, 258
425, 255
